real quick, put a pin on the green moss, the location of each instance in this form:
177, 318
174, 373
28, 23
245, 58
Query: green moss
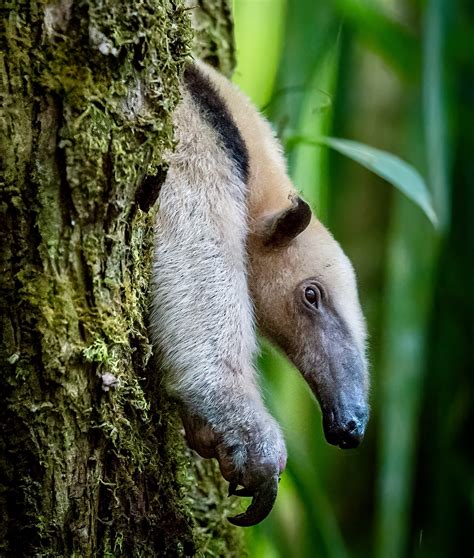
97, 352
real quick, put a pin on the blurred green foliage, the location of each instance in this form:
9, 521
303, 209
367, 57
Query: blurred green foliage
397, 75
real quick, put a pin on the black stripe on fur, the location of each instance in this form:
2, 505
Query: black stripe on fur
217, 114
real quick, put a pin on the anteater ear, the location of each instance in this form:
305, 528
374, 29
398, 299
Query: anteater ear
283, 227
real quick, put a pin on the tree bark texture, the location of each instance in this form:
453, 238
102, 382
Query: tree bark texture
92, 458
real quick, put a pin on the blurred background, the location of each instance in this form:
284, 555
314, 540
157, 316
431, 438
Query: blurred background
397, 75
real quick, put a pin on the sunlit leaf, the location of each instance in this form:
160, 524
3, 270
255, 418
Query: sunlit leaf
259, 31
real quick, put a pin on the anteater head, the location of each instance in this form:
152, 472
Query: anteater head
305, 296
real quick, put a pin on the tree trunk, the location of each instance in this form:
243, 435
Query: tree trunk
92, 458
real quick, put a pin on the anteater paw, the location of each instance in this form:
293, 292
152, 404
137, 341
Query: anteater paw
251, 455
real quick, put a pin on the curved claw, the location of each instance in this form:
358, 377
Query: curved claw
261, 506
233, 491
232, 488
244, 492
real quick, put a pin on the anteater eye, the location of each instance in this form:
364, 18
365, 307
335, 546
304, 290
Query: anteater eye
312, 296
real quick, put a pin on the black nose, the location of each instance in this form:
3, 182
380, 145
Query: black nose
351, 434
346, 431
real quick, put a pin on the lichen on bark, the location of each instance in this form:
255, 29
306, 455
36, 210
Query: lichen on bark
89, 92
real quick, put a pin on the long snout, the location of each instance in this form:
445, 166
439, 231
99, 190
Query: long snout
342, 393
335, 368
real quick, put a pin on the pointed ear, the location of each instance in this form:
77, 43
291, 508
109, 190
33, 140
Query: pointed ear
282, 227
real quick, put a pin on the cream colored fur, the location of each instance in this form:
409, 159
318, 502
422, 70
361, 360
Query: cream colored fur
270, 190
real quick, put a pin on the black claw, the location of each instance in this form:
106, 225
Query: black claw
261, 506
244, 492
232, 488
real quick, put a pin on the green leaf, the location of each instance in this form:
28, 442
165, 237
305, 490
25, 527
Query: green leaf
259, 32
436, 142
399, 173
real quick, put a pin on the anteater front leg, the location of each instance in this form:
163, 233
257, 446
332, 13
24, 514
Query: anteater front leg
203, 332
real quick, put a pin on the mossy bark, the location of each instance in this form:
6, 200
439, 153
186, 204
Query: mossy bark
92, 459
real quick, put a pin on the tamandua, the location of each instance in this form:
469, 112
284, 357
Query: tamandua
236, 248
